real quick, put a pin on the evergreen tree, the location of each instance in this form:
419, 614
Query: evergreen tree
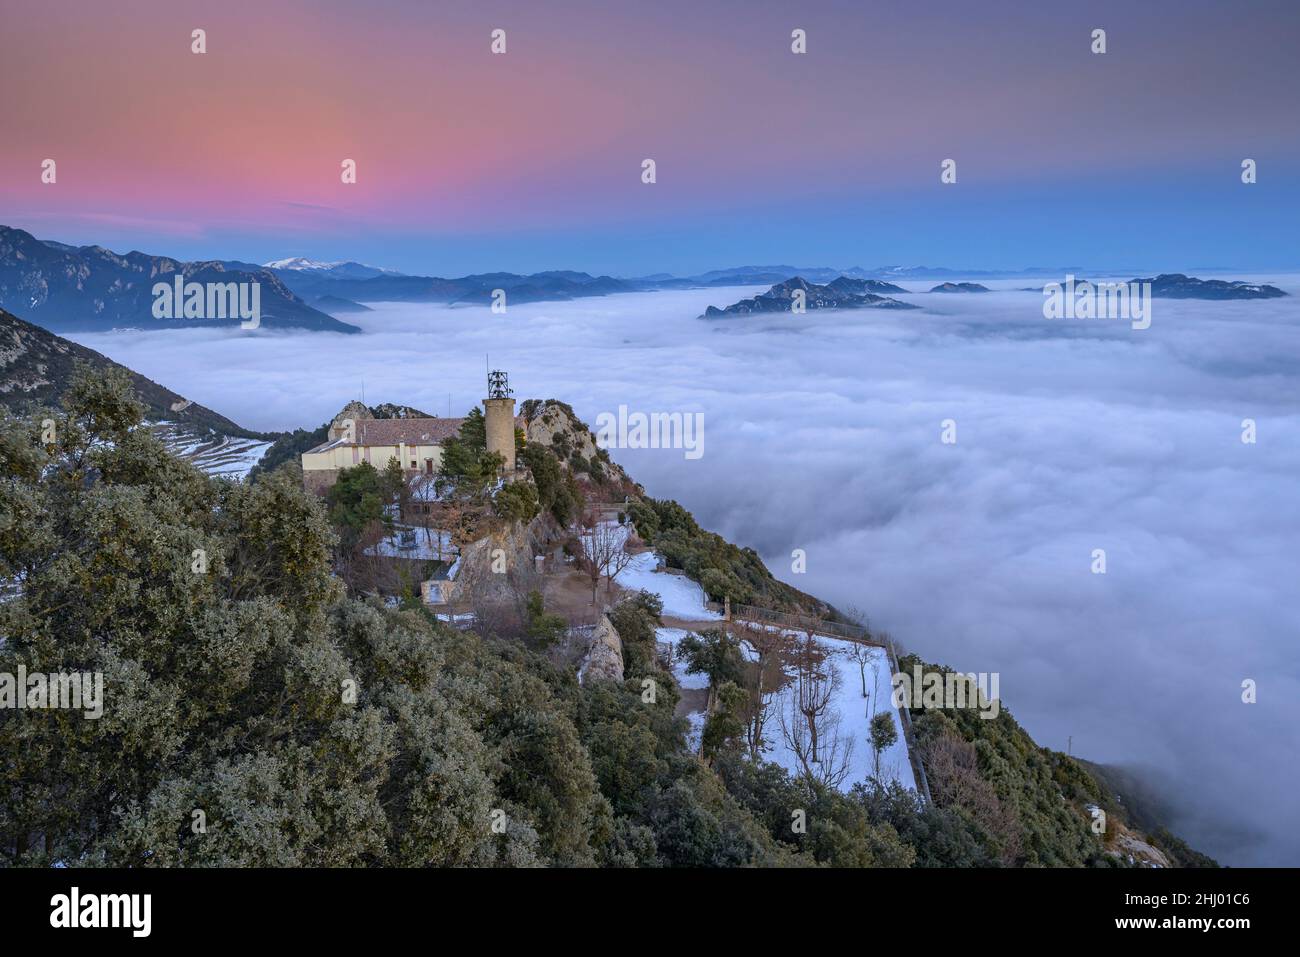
883, 735
356, 504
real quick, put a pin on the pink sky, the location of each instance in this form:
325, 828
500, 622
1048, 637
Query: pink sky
154, 141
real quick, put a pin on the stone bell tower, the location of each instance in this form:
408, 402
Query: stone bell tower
499, 413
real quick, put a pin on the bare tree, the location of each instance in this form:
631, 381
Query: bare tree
767, 645
762, 704
816, 684
619, 558
825, 758
861, 656
604, 545
952, 767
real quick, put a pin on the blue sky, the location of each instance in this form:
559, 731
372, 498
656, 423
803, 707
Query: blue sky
472, 161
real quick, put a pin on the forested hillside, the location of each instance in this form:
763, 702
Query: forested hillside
256, 714
36, 366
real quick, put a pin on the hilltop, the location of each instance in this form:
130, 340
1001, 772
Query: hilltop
582, 732
842, 293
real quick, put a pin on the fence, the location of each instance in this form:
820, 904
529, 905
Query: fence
913, 752
804, 623
845, 632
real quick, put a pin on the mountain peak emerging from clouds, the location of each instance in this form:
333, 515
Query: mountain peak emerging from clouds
340, 269
842, 293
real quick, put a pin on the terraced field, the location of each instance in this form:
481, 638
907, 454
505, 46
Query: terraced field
217, 454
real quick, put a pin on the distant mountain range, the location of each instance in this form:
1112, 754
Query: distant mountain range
1174, 285
89, 288
334, 305
358, 283
959, 287
335, 270
555, 286
849, 293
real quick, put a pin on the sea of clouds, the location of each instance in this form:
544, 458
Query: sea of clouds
822, 433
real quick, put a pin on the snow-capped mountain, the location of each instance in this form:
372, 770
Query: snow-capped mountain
331, 270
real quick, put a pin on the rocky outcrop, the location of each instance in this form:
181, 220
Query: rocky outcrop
555, 425
1174, 285
604, 662
842, 293
483, 572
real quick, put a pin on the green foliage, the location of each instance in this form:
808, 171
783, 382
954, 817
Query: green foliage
310, 729
225, 688
940, 837
517, 502
473, 431
675, 808
289, 447
543, 628
714, 653
467, 469
635, 618
725, 726
722, 569
557, 491
1179, 852
837, 829
356, 503
392, 481
883, 732
991, 770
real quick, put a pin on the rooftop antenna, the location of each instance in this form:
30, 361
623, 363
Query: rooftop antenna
363, 390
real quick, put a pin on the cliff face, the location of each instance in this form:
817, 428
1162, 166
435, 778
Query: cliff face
604, 661
555, 425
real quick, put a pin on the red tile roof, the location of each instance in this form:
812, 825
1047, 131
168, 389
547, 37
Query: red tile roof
410, 431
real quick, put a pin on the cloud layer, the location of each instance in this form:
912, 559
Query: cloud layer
822, 432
